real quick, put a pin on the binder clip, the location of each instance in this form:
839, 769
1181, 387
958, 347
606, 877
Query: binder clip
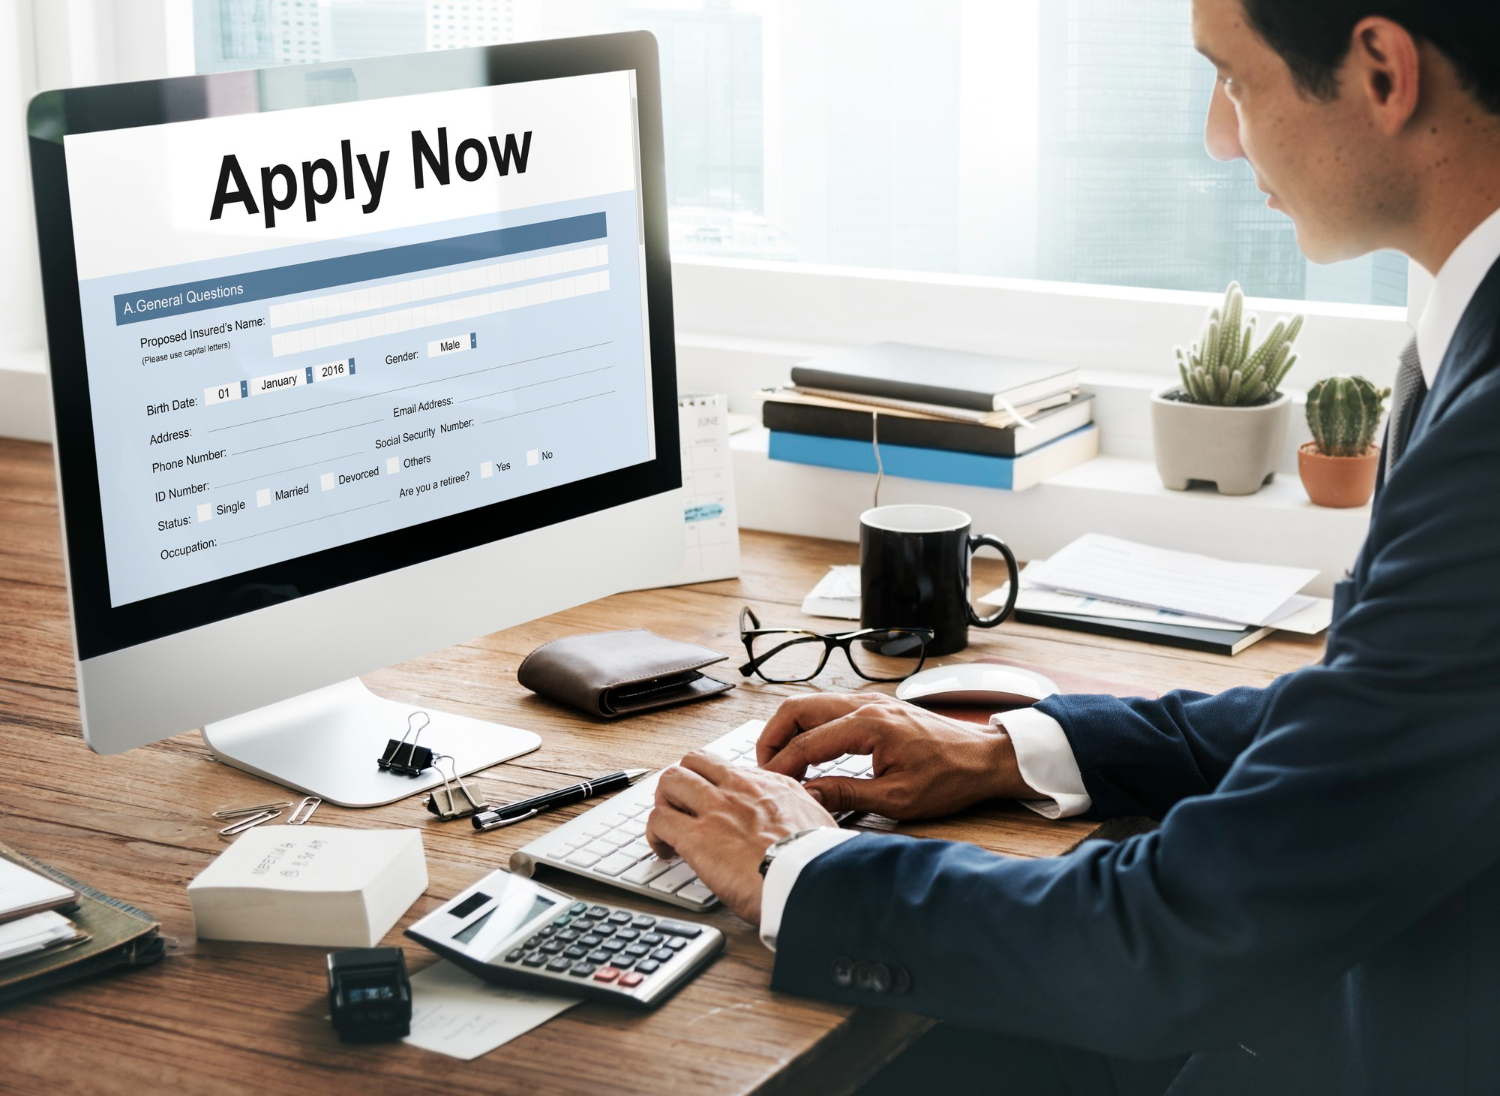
407, 758
454, 799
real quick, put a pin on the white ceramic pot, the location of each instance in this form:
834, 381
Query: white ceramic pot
1235, 448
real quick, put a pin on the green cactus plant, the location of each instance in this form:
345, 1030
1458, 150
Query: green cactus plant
1225, 370
1343, 414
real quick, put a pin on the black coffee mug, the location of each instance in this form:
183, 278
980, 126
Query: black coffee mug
914, 573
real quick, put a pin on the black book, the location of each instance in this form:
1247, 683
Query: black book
1213, 640
795, 417
927, 374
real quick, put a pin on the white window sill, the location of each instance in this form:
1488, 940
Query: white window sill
26, 409
1121, 496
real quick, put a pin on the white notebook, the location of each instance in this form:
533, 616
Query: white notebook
24, 892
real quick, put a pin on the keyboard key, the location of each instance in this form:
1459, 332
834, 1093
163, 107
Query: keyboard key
631, 980
696, 892
598, 957
559, 965
582, 970
515, 956
648, 966
635, 810
614, 865
677, 943
635, 828
598, 913
645, 871
620, 838
533, 960
620, 917
560, 852
627, 934
599, 848
680, 928
606, 974
638, 849
576, 952
679, 876
583, 859
643, 921
598, 829
652, 938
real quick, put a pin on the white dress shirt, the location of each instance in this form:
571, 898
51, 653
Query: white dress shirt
1043, 755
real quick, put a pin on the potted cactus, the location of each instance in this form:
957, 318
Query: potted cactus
1226, 422
1338, 466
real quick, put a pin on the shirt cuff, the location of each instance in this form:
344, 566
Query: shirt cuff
1045, 759
781, 876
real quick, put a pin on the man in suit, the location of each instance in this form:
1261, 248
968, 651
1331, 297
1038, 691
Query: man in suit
1319, 909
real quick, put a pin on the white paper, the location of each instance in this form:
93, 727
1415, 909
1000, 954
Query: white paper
1137, 574
1303, 615
457, 1014
710, 524
40, 930
21, 888
836, 595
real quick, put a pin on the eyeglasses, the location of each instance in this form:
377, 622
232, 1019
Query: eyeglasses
784, 655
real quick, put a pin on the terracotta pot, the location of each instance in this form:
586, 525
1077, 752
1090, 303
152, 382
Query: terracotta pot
1338, 482
1236, 449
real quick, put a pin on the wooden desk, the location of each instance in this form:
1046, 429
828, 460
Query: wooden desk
218, 1017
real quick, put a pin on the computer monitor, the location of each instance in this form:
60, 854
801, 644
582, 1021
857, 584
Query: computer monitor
351, 362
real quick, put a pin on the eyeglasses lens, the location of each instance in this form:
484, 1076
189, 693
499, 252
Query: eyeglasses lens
793, 656
887, 656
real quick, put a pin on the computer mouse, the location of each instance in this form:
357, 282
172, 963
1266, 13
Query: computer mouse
976, 683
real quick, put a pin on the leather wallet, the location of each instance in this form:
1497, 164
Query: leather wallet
611, 674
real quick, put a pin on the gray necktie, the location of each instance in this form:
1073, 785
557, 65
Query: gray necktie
1411, 390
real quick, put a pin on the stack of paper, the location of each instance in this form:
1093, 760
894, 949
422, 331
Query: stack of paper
836, 594
36, 933
1117, 579
24, 892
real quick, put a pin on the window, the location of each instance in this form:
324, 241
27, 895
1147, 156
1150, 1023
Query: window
1058, 140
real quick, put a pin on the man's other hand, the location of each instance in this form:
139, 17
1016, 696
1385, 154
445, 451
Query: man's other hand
721, 820
925, 765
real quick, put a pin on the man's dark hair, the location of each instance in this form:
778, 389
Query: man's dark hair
1314, 36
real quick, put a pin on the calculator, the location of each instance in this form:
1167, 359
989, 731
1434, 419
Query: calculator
511, 930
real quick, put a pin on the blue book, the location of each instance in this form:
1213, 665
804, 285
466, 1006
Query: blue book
941, 465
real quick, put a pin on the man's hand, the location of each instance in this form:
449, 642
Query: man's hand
925, 765
721, 820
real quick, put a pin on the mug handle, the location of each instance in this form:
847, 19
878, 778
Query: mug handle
976, 542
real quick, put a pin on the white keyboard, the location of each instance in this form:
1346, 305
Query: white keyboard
608, 842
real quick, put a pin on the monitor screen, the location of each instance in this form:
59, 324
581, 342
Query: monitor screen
308, 342
316, 326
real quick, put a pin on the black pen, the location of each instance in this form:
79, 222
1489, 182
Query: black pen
519, 811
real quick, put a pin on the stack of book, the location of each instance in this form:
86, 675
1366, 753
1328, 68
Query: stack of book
940, 415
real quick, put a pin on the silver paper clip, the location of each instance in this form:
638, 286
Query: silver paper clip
304, 810
240, 812
454, 799
248, 823
415, 758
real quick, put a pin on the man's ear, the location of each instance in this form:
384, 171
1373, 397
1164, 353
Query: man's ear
1385, 67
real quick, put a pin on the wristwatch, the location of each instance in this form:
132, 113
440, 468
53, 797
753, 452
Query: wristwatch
778, 845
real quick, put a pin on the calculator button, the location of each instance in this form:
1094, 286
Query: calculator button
577, 908
631, 979
546, 930
638, 949
582, 924
676, 943
559, 965
598, 913
620, 917
652, 938
582, 970
604, 929
606, 974
661, 955
515, 956
533, 960
626, 934
642, 921
622, 961
679, 928
576, 952
552, 947
562, 922
569, 935
648, 966
612, 945
534, 941
592, 940
599, 957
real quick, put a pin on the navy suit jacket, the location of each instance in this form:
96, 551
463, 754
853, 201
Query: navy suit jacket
1320, 908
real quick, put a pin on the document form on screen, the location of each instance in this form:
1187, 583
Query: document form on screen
313, 326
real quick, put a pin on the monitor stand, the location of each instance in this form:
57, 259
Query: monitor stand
326, 743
